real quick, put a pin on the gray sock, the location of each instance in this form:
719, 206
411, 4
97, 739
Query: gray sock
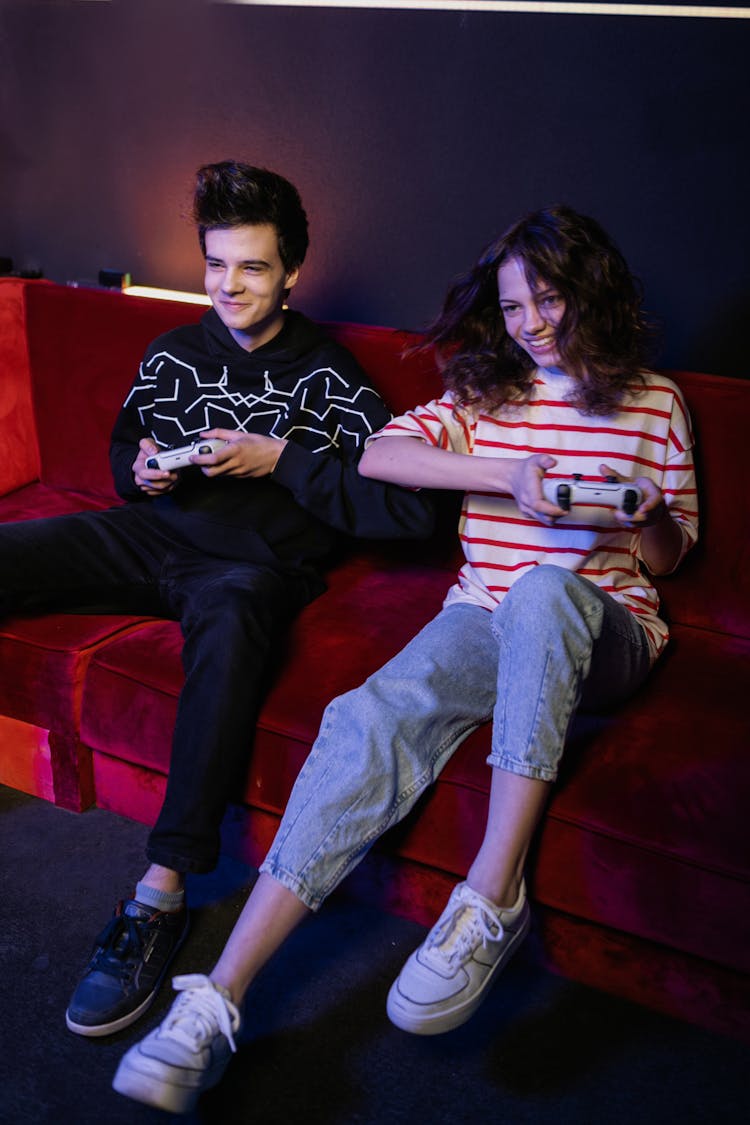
168, 901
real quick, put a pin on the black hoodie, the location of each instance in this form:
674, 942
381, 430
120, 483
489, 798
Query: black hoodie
302, 386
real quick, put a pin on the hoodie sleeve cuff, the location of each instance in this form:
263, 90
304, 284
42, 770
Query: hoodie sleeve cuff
292, 466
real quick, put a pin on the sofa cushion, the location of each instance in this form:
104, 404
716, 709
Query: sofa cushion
43, 658
37, 501
363, 618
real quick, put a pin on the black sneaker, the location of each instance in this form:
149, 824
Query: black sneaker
130, 958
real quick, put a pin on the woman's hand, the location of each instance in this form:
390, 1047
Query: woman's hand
526, 478
661, 546
652, 508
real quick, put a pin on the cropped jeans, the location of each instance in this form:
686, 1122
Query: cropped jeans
555, 642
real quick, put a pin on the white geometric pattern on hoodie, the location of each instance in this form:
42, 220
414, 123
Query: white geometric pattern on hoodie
286, 412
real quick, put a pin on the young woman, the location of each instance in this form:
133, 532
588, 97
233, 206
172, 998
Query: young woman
543, 350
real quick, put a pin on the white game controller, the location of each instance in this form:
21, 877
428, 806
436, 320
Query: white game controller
170, 459
609, 493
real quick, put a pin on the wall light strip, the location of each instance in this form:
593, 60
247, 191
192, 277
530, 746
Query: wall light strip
536, 7
165, 294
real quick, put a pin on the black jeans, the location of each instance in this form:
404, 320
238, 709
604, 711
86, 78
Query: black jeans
231, 613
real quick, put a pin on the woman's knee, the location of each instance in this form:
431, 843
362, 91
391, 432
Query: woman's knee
549, 602
545, 582
547, 588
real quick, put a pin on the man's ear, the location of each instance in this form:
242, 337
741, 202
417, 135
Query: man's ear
291, 279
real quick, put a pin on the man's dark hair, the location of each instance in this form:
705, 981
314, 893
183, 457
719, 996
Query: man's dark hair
231, 194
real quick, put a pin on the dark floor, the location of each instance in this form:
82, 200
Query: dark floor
317, 1047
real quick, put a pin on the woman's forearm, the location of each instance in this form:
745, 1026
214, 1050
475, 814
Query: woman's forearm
412, 462
662, 545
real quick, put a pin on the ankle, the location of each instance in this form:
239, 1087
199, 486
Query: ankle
163, 879
504, 896
235, 989
162, 889
168, 902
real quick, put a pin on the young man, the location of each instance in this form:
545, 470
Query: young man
231, 546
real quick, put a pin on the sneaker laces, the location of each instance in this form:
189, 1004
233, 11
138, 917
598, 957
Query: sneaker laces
200, 1013
121, 939
457, 936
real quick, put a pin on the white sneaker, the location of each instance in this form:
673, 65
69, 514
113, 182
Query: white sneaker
189, 1051
446, 979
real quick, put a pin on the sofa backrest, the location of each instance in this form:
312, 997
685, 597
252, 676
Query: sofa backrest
403, 377
84, 347
711, 589
19, 453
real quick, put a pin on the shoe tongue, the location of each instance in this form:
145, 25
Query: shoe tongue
487, 909
133, 909
461, 925
466, 928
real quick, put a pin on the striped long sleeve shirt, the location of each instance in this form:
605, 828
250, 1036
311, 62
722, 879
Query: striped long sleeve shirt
649, 436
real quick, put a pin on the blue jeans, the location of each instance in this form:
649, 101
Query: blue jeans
555, 642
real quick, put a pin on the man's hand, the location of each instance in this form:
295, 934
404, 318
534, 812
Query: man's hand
244, 455
154, 482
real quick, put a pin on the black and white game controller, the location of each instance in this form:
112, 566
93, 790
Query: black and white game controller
608, 493
170, 459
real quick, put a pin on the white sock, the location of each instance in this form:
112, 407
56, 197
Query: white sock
167, 901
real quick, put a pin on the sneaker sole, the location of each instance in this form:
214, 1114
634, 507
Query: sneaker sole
404, 1015
96, 1030
156, 1090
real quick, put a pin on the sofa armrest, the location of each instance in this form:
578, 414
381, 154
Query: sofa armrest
19, 451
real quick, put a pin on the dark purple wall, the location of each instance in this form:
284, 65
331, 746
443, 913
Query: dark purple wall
413, 137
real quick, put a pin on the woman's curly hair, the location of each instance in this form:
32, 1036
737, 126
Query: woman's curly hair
603, 337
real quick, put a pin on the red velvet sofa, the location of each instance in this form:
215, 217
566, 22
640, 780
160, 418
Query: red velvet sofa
640, 871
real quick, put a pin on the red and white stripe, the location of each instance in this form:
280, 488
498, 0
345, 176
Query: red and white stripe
650, 436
